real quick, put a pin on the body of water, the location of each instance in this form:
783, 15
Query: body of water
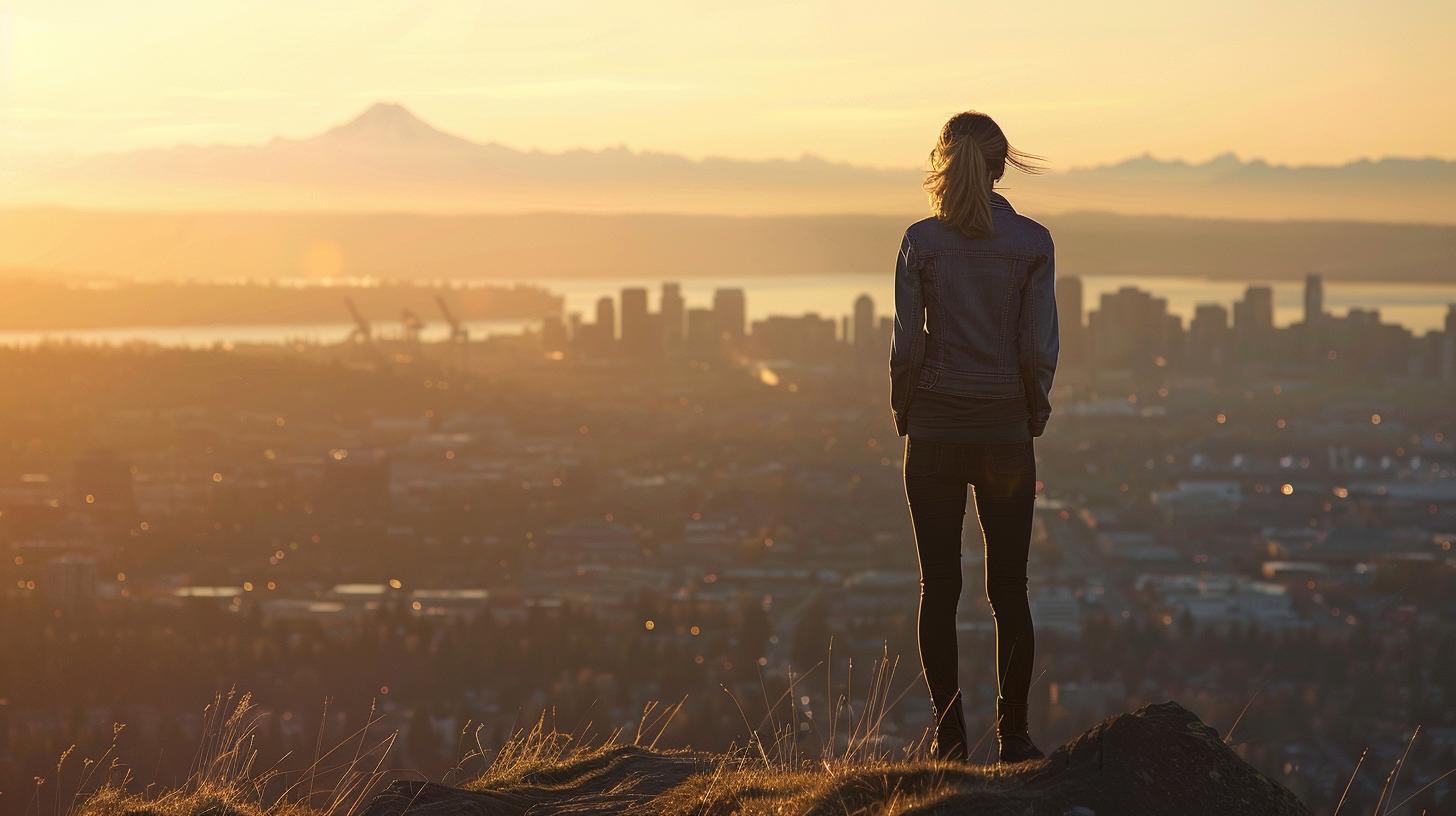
1419, 307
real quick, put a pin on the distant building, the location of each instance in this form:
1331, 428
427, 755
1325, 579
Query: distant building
702, 331
674, 313
1314, 299
1209, 338
606, 321
731, 308
637, 335
1130, 329
1314, 328
1069, 318
864, 323
1446, 361
1254, 323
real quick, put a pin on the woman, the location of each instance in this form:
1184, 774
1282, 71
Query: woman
971, 362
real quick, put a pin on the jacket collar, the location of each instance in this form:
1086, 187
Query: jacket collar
998, 200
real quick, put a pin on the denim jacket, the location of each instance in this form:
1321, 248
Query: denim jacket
975, 317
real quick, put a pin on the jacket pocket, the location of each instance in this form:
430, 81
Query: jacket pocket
978, 384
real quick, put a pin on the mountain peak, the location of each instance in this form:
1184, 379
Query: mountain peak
387, 112
388, 124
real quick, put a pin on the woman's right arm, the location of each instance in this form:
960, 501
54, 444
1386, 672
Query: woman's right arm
1038, 341
907, 341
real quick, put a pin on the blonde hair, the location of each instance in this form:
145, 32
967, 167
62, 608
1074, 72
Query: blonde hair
970, 156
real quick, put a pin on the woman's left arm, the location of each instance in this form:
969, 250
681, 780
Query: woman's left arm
907, 344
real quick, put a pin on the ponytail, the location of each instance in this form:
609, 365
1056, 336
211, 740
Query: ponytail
970, 156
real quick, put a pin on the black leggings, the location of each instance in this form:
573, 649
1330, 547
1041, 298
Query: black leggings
1003, 477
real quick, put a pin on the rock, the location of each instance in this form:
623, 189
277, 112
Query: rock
1160, 759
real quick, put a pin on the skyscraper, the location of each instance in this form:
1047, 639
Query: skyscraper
731, 308
1069, 318
1446, 365
1254, 322
702, 331
637, 336
1255, 313
1208, 337
864, 323
674, 312
1314, 299
1130, 329
606, 323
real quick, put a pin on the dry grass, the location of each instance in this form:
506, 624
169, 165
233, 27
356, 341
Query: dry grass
819, 758
850, 770
224, 779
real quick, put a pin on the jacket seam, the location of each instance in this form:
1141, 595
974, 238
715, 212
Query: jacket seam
1018, 256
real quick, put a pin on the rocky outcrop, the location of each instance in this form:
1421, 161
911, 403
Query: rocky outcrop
1160, 759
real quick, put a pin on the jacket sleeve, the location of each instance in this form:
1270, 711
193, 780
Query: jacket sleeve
1037, 338
907, 342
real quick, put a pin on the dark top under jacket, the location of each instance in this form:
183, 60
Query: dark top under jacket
941, 417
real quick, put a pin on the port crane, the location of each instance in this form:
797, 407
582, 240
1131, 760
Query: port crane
362, 336
459, 339
362, 332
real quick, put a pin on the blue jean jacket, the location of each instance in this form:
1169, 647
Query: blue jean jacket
975, 316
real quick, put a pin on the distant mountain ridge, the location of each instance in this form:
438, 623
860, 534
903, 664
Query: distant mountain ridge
1229, 165
386, 158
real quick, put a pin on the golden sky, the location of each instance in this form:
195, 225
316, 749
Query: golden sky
865, 82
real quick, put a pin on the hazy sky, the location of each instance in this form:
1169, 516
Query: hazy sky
869, 82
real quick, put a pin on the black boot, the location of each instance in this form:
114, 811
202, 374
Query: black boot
1012, 737
950, 732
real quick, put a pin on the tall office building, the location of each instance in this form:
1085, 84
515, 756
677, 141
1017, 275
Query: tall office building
636, 326
1255, 313
1069, 319
1208, 337
1314, 299
1316, 327
731, 308
864, 322
1130, 328
1446, 364
1254, 322
601, 337
606, 319
702, 331
674, 312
